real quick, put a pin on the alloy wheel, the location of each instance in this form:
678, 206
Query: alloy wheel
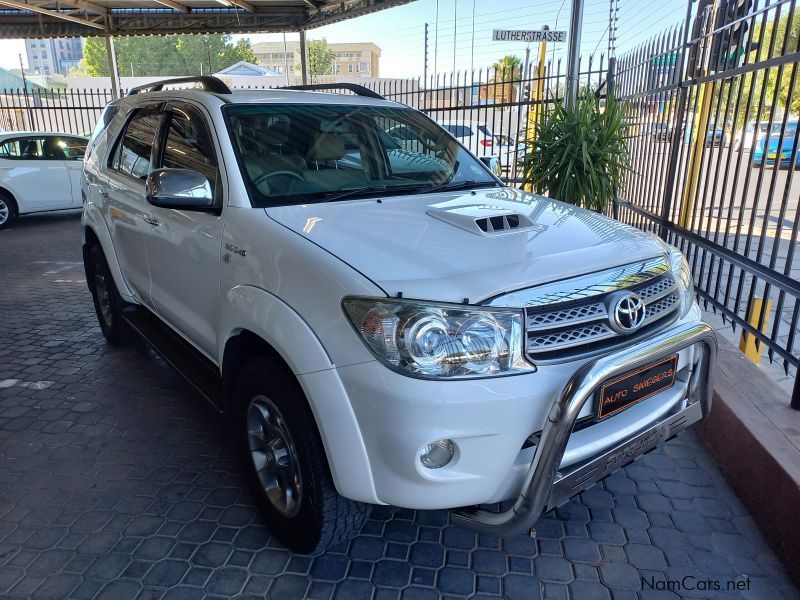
5, 211
274, 457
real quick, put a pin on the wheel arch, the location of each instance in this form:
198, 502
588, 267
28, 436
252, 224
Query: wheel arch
95, 231
89, 240
239, 348
266, 325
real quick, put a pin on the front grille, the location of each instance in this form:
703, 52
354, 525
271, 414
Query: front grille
568, 329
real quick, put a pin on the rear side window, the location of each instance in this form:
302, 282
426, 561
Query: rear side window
133, 154
189, 145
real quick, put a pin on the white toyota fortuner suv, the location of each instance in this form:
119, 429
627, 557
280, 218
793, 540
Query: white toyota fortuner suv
384, 322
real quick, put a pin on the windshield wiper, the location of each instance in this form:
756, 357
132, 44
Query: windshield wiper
461, 185
370, 189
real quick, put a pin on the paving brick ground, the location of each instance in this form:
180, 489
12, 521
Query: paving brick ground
116, 482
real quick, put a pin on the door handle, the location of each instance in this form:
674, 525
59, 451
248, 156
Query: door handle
152, 220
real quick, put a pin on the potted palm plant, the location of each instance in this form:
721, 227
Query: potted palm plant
580, 152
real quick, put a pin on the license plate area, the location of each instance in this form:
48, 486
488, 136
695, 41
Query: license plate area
625, 391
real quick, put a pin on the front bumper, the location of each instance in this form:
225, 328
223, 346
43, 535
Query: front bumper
545, 486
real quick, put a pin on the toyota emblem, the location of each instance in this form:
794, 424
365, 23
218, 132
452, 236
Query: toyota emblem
627, 313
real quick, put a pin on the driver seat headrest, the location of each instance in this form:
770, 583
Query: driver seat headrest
327, 146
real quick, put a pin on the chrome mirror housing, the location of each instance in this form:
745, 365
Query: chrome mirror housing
179, 188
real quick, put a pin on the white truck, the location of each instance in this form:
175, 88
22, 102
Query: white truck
375, 333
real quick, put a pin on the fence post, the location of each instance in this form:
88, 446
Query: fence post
796, 391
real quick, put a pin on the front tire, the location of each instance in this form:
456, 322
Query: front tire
286, 463
8, 211
108, 304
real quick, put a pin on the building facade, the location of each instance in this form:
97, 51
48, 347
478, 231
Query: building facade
351, 60
53, 56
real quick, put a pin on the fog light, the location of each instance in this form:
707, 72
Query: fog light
437, 454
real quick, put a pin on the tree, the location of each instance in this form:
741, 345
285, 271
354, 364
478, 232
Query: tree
757, 80
320, 58
507, 68
166, 55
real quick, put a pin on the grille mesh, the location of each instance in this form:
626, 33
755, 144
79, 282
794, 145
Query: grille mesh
564, 316
569, 337
658, 288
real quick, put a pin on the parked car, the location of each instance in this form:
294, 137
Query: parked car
407, 139
39, 172
661, 132
717, 137
747, 137
477, 137
376, 334
769, 146
512, 152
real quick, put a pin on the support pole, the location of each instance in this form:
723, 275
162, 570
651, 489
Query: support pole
304, 57
702, 119
536, 108
113, 68
286, 59
574, 52
537, 93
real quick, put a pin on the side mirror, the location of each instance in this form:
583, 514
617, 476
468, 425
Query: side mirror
179, 188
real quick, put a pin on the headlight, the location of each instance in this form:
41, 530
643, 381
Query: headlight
432, 340
683, 275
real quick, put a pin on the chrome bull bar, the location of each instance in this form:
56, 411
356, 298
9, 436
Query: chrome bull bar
544, 487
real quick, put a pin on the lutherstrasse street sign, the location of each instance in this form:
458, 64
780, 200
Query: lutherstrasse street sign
525, 35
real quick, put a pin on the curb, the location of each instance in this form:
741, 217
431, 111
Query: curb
754, 436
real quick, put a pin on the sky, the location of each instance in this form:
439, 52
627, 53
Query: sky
399, 31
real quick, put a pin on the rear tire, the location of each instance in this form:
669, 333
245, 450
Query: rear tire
108, 304
8, 211
286, 463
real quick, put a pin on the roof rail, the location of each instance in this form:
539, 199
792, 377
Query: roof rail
210, 84
358, 90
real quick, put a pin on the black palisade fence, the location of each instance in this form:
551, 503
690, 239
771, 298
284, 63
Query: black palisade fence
713, 122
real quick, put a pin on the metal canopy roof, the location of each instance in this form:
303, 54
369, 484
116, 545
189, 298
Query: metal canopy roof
79, 18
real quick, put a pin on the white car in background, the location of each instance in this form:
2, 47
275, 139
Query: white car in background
513, 152
477, 138
39, 172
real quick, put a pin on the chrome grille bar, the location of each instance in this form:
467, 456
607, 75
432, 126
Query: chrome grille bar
567, 329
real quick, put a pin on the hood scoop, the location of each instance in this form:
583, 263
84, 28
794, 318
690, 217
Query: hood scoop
483, 219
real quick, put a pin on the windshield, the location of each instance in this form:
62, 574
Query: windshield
299, 153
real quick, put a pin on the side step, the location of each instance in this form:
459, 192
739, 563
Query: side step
200, 372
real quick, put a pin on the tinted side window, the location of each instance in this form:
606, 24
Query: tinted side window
133, 154
24, 149
189, 145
